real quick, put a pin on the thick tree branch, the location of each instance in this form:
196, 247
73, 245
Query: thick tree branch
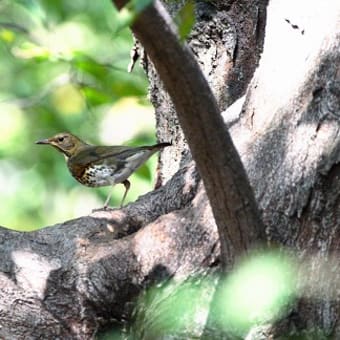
76, 277
70, 280
218, 162
176, 193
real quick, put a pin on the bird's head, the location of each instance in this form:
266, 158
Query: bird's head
65, 142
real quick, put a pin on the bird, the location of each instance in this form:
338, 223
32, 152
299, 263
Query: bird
97, 166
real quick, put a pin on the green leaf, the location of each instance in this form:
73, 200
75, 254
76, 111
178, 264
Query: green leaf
185, 20
140, 5
89, 65
95, 97
29, 50
7, 35
128, 14
125, 18
35, 9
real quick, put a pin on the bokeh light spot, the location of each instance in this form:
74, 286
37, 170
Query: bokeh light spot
258, 291
67, 99
126, 119
11, 123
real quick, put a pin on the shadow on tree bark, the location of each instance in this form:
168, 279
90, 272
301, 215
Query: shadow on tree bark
77, 278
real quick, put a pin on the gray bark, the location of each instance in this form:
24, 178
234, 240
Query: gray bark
71, 280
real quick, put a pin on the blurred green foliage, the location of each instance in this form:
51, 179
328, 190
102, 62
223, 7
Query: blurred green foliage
128, 14
63, 68
260, 289
185, 19
173, 309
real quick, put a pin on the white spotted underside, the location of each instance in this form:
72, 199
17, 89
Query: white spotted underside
109, 174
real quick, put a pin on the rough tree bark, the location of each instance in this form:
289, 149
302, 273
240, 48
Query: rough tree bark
73, 279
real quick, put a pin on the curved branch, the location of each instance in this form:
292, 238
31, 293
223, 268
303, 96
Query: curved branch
228, 189
176, 193
71, 279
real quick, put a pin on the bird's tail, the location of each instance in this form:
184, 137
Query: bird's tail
156, 147
161, 145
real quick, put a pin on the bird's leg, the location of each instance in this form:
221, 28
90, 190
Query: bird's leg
127, 187
106, 204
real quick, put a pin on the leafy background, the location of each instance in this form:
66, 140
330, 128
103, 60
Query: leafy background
63, 68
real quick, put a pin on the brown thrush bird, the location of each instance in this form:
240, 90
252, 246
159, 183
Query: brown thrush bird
97, 166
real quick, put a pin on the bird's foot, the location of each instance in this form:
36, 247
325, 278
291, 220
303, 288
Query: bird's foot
104, 208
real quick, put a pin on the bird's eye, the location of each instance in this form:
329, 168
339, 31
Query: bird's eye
60, 139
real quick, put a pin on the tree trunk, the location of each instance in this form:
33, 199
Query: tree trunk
282, 110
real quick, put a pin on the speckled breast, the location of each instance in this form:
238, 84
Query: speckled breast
98, 176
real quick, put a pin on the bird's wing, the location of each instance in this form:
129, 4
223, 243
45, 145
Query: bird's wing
95, 154
92, 155
117, 157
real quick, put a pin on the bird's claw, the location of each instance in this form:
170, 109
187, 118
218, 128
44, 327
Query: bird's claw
104, 208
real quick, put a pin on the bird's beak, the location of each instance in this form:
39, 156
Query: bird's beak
43, 141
